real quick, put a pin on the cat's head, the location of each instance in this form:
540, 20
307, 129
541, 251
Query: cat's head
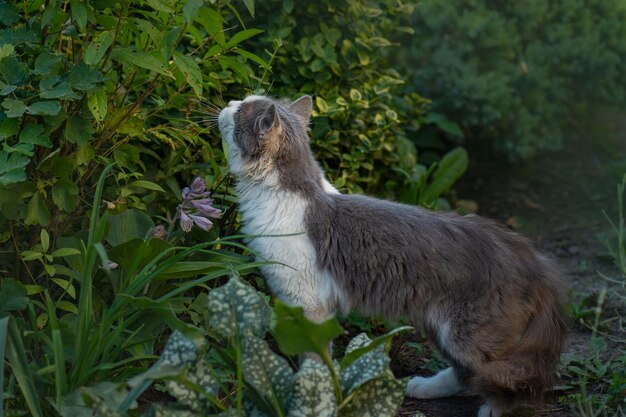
266, 138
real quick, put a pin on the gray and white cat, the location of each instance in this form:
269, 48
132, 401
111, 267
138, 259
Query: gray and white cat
483, 294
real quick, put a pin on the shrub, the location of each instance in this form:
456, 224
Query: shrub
515, 73
362, 119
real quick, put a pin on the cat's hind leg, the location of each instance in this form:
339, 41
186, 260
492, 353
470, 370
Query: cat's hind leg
444, 384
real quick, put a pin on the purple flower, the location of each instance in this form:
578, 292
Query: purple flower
202, 222
159, 232
204, 207
198, 186
186, 222
196, 207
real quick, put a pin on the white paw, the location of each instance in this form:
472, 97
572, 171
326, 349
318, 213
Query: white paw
444, 384
490, 410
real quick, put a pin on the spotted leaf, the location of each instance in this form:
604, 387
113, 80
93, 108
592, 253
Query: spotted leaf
313, 393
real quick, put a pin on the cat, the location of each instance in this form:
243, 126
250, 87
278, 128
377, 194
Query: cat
485, 297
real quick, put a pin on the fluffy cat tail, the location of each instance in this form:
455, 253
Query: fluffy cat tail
529, 369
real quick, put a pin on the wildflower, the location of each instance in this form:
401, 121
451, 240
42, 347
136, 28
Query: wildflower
197, 206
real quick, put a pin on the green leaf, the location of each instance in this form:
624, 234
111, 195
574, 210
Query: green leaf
62, 252
148, 185
52, 88
191, 72
45, 240
370, 365
190, 10
242, 36
357, 349
66, 285
269, 374
250, 6
237, 308
38, 212
140, 59
321, 104
79, 14
45, 62
449, 170
313, 393
14, 108
96, 50
296, 334
44, 108
8, 14
6, 51
33, 135
12, 295
131, 224
12, 167
97, 103
78, 130
380, 397
84, 77
65, 194
253, 57
160, 6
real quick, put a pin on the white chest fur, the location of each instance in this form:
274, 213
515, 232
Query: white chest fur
280, 217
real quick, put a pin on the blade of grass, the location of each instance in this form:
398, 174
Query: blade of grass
4, 324
16, 357
60, 377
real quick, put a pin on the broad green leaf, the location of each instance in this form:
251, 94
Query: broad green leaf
97, 103
8, 14
12, 295
137, 252
84, 77
237, 308
321, 104
313, 393
131, 224
296, 334
45, 62
102, 399
65, 194
269, 374
14, 108
33, 134
85, 154
38, 212
359, 348
79, 130
190, 71
96, 50
381, 397
52, 88
160, 6
44, 108
12, 168
190, 9
253, 57
212, 22
8, 128
449, 170
141, 59
31, 255
367, 367
6, 51
127, 156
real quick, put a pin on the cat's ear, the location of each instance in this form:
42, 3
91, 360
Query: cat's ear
269, 122
303, 107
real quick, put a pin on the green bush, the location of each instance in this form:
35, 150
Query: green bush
362, 120
515, 73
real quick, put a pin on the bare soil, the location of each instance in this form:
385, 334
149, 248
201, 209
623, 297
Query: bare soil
556, 199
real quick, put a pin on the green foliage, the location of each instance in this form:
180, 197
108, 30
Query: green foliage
514, 73
363, 120
272, 388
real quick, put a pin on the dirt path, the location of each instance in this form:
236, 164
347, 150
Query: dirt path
557, 200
